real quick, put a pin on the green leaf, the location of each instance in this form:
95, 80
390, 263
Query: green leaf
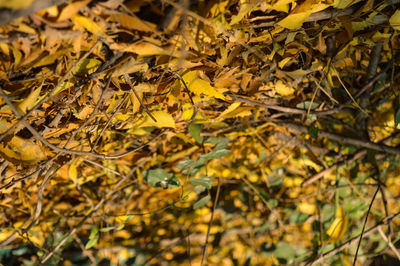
205, 182
397, 118
298, 217
194, 130
199, 189
93, 231
185, 164
160, 178
284, 252
107, 229
92, 242
200, 203
306, 105
215, 154
222, 144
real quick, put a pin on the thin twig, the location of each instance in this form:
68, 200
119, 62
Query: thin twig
365, 223
390, 244
354, 240
50, 93
203, 259
62, 150
128, 80
356, 142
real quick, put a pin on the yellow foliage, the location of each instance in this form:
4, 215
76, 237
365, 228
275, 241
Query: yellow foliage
199, 86
338, 227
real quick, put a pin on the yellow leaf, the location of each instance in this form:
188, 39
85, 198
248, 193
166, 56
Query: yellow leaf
164, 119
49, 59
245, 8
73, 172
395, 20
15, 4
234, 111
199, 86
84, 113
87, 66
17, 55
134, 23
141, 48
19, 150
55, 132
283, 89
71, 9
130, 66
283, 62
30, 101
300, 13
338, 227
294, 20
89, 25
188, 111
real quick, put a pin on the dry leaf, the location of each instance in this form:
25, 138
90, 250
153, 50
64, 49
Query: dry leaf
199, 86
71, 9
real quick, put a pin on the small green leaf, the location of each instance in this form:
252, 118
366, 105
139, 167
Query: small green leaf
298, 217
215, 154
397, 118
205, 182
200, 203
306, 105
160, 178
92, 242
222, 144
107, 229
194, 130
185, 164
199, 189
93, 231
120, 227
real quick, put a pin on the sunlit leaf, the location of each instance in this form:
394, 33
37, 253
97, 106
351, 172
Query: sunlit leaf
164, 119
89, 25
71, 9
283, 89
395, 20
339, 226
199, 86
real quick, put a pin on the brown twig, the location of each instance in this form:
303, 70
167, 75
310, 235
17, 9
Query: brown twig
50, 93
356, 142
204, 256
128, 80
354, 240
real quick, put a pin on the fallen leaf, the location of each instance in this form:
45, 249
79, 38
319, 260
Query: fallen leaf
199, 86
395, 20
71, 9
234, 110
89, 25
164, 119
19, 150
30, 101
133, 22
283, 89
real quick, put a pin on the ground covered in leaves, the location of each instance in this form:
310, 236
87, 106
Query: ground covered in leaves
200, 132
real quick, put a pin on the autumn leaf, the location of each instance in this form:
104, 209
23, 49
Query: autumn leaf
339, 226
164, 119
199, 86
